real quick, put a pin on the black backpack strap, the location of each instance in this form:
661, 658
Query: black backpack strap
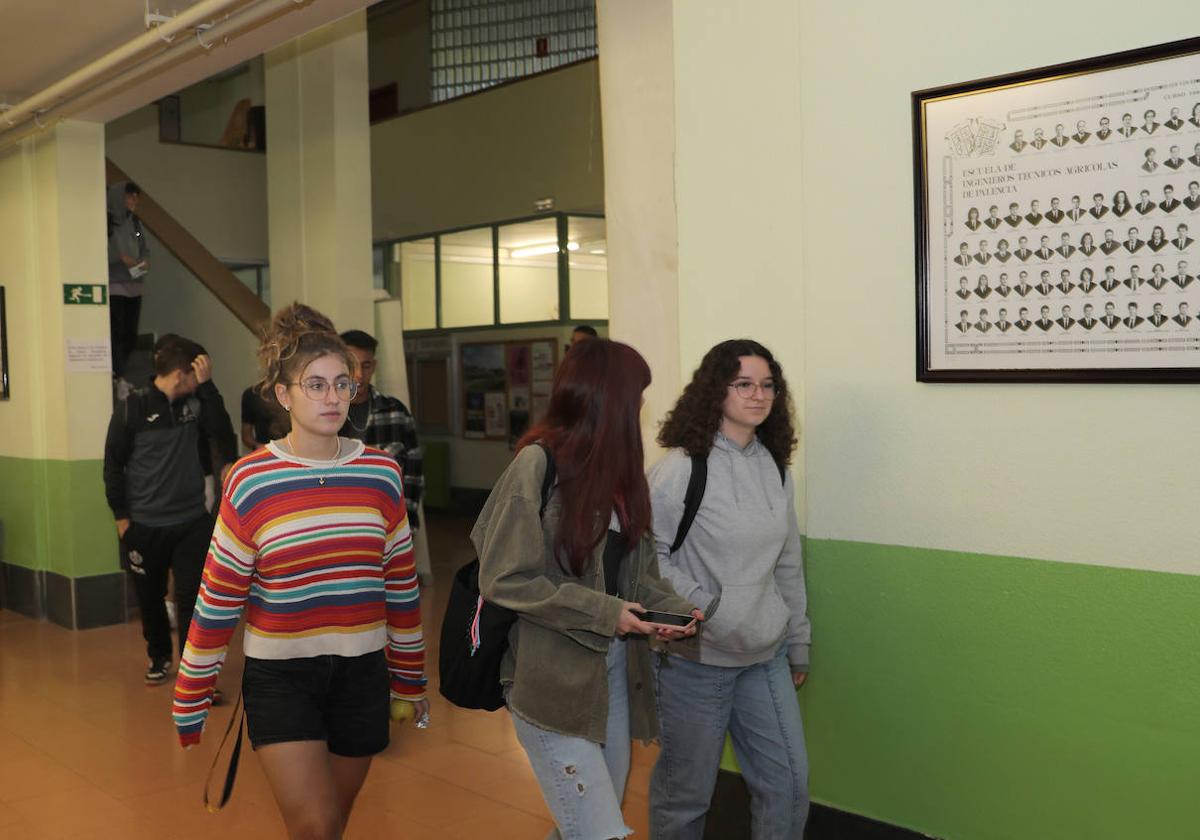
548, 479
692, 499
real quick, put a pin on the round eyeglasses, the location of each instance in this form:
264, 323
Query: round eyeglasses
745, 389
316, 388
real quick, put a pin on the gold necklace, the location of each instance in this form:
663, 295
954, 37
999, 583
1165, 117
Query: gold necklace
336, 455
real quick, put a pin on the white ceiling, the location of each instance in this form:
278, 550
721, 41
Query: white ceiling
41, 41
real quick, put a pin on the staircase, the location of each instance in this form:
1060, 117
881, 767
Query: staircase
237, 298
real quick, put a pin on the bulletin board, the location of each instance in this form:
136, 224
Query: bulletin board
505, 386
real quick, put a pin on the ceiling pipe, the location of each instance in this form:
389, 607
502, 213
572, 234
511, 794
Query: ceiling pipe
219, 34
154, 40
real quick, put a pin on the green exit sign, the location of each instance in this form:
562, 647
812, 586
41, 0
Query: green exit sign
81, 294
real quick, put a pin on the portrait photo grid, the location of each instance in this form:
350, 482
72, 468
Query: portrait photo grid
1066, 215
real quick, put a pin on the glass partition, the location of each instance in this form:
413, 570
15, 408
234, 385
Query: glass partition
587, 267
550, 269
467, 272
415, 270
528, 260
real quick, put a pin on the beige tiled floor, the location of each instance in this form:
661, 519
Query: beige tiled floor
88, 752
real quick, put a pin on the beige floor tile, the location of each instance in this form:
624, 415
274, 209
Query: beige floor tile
25, 831
33, 776
83, 812
90, 753
8, 816
501, 825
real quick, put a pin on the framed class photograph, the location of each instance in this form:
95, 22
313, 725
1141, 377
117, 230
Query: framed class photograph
1057, 220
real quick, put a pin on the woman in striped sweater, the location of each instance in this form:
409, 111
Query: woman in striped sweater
313, 534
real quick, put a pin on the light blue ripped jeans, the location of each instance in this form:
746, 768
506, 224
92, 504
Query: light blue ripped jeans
582, 782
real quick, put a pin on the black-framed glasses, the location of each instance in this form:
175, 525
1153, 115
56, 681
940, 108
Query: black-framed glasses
316, 388
745, 388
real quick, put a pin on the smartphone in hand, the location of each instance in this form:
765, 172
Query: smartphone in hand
668, 618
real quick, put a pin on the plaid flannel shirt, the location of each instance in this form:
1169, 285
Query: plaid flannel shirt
391, 427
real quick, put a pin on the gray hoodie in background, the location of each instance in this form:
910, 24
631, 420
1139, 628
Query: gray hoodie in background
743, 548
127, 237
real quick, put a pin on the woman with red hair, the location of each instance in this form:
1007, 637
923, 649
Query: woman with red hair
579, 575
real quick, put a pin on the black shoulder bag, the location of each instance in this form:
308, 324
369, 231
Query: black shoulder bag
475, 633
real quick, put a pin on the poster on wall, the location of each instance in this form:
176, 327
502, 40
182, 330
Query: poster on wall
543, 358
518, 413
483, 378
4, 393
495, 424
520, 374
505, 387
88, 355
1057, 219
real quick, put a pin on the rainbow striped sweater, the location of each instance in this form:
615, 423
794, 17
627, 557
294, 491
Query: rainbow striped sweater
322, 553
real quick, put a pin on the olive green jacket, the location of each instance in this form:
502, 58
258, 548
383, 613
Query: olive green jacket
558, 645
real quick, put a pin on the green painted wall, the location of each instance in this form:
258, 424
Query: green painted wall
55, 516
22, 513
973, 697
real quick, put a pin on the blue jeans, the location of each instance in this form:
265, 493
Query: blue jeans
757, 705
582, 782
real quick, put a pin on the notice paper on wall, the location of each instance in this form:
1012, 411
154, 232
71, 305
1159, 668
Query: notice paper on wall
89, 355
494, 414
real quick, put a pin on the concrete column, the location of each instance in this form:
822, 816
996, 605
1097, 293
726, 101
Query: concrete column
701, 140
637, 109
319, 172
58, 552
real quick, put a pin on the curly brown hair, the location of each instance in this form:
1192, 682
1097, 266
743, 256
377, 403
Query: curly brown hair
694, 421
296, 336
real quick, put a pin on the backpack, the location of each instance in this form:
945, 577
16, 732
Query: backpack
697, 483
474, 635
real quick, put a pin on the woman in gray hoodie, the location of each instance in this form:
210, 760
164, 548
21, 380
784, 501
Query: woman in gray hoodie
740, 563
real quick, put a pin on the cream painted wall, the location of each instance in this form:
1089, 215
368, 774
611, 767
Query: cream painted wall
52, 217
220, 195
1081, 473
488, 157
738, 186
175, 301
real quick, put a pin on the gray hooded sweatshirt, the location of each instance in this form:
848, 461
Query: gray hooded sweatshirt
125, 236
743, 548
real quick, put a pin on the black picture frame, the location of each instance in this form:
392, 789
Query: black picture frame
1041, 82
4, 392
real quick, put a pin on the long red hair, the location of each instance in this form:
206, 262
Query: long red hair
592, 429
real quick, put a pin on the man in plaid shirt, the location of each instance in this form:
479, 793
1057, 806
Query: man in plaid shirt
384, 422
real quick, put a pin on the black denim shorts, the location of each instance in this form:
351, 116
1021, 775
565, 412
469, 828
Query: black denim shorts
341, 700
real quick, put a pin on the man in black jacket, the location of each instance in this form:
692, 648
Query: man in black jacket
154, 466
